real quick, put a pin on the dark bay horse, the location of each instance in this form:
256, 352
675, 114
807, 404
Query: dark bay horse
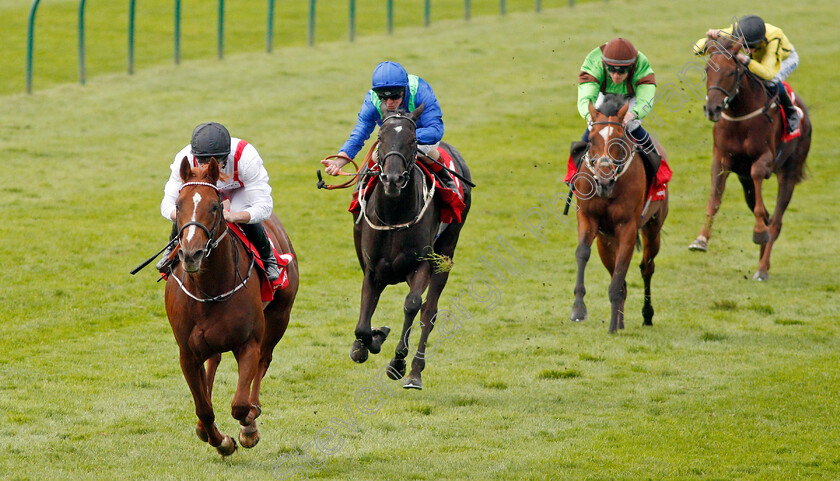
214, 305
611, 188
395, 233
747, 141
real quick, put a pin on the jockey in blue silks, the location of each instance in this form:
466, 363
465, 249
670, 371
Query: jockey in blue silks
392, 89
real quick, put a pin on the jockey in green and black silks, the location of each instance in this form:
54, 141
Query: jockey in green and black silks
618, 68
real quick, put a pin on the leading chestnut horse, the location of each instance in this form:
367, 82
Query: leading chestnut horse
611, 189
214, 305
747, 141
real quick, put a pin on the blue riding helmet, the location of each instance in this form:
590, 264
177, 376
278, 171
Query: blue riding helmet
389, 75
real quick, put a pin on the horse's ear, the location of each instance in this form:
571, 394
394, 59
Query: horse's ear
592, 110
623, 110
212, 171
415, 114
186, 169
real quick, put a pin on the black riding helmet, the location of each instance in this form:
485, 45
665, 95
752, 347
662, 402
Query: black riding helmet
210, 139
752, 26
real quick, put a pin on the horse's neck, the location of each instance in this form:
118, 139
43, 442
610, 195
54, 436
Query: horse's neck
752, 96
403, 208
218, 270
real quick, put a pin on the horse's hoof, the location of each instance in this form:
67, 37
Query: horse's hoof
578, 314
762, 237
358, 351
396, 369
379, 336
700, 244
413, 383
249, 436
761, 276
201, 433
227, 447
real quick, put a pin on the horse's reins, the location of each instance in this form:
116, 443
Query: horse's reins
211, 244
739, 73
323, 185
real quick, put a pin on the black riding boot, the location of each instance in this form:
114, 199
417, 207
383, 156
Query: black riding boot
256, 234
644, 142
164, 265
792, 112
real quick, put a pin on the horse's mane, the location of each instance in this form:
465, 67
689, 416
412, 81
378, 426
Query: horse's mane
612, 104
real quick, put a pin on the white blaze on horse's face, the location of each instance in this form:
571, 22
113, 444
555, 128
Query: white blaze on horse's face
191, 230
398, 129
606, 132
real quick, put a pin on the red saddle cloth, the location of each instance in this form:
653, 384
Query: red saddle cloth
266, 288
657, 189
453, 207
785, 135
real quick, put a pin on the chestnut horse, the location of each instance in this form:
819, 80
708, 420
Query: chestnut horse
611, 193
747, 141
213, 308
397, 237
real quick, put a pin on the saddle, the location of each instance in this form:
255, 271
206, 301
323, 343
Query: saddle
453, 200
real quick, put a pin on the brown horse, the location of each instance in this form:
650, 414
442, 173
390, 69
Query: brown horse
213, 308
395, 233
611, 194
747, 141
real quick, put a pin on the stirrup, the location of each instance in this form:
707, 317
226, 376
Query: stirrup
272, 270
165, 262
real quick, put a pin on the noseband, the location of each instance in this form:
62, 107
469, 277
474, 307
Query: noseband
619, 166
409, 163
727, 99
211, 244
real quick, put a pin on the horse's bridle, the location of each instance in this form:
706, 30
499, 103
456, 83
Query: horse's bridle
211, 234
727, 99
619, 165
409, 163
211, 244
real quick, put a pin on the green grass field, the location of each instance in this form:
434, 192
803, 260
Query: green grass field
735, 380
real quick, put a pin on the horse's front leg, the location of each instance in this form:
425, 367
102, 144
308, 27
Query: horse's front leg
196, 379
247, 356
417, 281
371, 290
210, 367
719, 175
626, 236
586, 234
760, 170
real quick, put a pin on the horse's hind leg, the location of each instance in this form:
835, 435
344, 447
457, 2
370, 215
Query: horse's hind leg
428, 320
760, 170
417, 283
650, 238
196, 379
719, 175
